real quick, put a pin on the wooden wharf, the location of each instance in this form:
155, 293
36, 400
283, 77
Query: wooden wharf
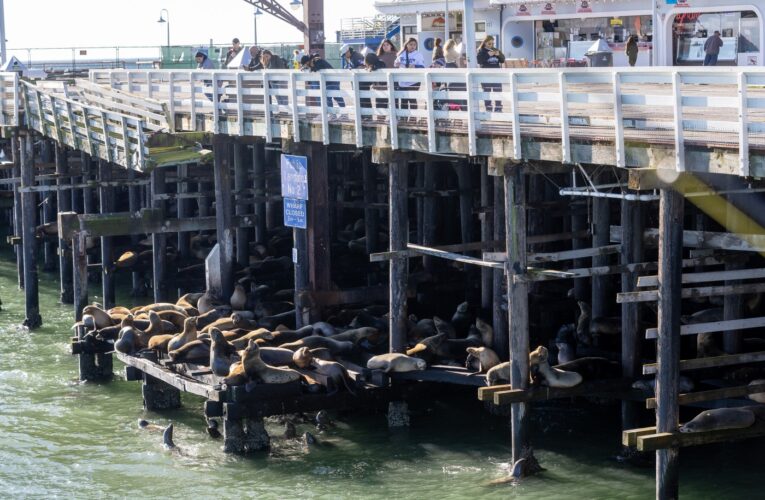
651, 177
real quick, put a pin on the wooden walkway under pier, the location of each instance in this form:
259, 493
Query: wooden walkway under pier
485, 204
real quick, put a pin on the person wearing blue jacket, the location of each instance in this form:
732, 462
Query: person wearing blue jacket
350, 58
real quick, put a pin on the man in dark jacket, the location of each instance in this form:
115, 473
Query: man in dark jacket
236, 47
350, 58
314, 63
712, 49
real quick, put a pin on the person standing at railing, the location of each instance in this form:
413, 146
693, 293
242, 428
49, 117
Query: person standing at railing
632, 49
236, 47
350, 58
313, 64
712, 49
386, 54
203, 62
451, 54
490, 57
372, 63
270, 61
409, 57
438, 49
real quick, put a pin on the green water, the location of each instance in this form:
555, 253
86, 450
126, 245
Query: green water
59, 438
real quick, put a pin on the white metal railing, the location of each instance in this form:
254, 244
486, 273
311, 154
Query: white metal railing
114, 137
712, 108
9, 99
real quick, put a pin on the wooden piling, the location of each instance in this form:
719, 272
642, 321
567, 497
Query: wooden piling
224, 217
318, 232
429, 214
182, 208
465, 186
499, 315
106, 206
668, 343
487, 220
64, 199
28, 235
159, 240
48, 204
733, 305
517, 292
134, 204
240, 185
631, 253
259, 174
600, 238
80, 274
399, 237
16, 145
371, 215
578, 224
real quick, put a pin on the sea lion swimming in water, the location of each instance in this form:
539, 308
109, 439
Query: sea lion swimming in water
396, 362
167, 438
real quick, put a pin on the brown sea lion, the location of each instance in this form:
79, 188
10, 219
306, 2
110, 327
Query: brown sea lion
499, 374
486, 330
255, 368
481, 359
276, 356
220, 353
430, 348
210, 317
552, 377
189, 334
196, 351
189, 300
159, 342
259, 334
286, 336
162, 306
238, 299
101, 317
333, 371
357, 334
174, 317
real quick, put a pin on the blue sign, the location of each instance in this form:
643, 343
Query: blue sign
294, 177
295, 213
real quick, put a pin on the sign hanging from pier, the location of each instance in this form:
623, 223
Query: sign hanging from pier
295, 177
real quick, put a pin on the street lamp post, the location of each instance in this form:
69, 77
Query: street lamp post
163, 20
258, 12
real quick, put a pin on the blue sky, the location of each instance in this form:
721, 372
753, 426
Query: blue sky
53, 23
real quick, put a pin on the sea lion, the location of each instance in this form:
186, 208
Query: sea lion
276, 356
220, 353
167, 438
126, 260
256, 368
118, 311
499, 373
592, 368
758, 396
461, 319
207, 302
481, 359
173, 317
324, 328
196, 351
101, 317
706, 346
189, 300
396, 362
238, 299
162, 306
356, 335
188, 334
259, 334
444, 327
209, 317
552, 377
719, 419
583, 323
704, 316
486, 331
336, 347
126, 341
220, 324
286, 336
159, 342
148, 426
332, 370
323, 421
684, 384
430, 348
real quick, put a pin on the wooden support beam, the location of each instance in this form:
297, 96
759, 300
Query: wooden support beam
733, 305
630, 436
466, 200
487, 221
371, 216
712, 395
574, 254
398, 173
668, 346
429, 215
48, 207
716, 326
518, 303
433, 252
223, 217
702, 239
687, 293
319, 244
240, 183
16, 145
64, 201
134, 206
33, 319
80, 272
501, 341
589, 389
741, 274
631, 251
182, 210
712, 362
600, 238
106, 206
159, 240
673, 440
259, 179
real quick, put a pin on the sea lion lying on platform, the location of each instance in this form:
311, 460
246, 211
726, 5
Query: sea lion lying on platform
281, 337
481, 359
499, 374
719, 419
552, 377
252, 367
260, 334
189, 334
356, 335
431, 348
396, 362
333, 370
336, 347
101, 317
220, 353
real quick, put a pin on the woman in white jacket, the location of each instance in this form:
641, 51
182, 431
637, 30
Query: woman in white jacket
409, 57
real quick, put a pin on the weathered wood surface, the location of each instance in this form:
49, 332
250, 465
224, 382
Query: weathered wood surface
704, 239
168, 376
711, 362
695, 292
712, 395
676, 439
504, 395
716, 326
